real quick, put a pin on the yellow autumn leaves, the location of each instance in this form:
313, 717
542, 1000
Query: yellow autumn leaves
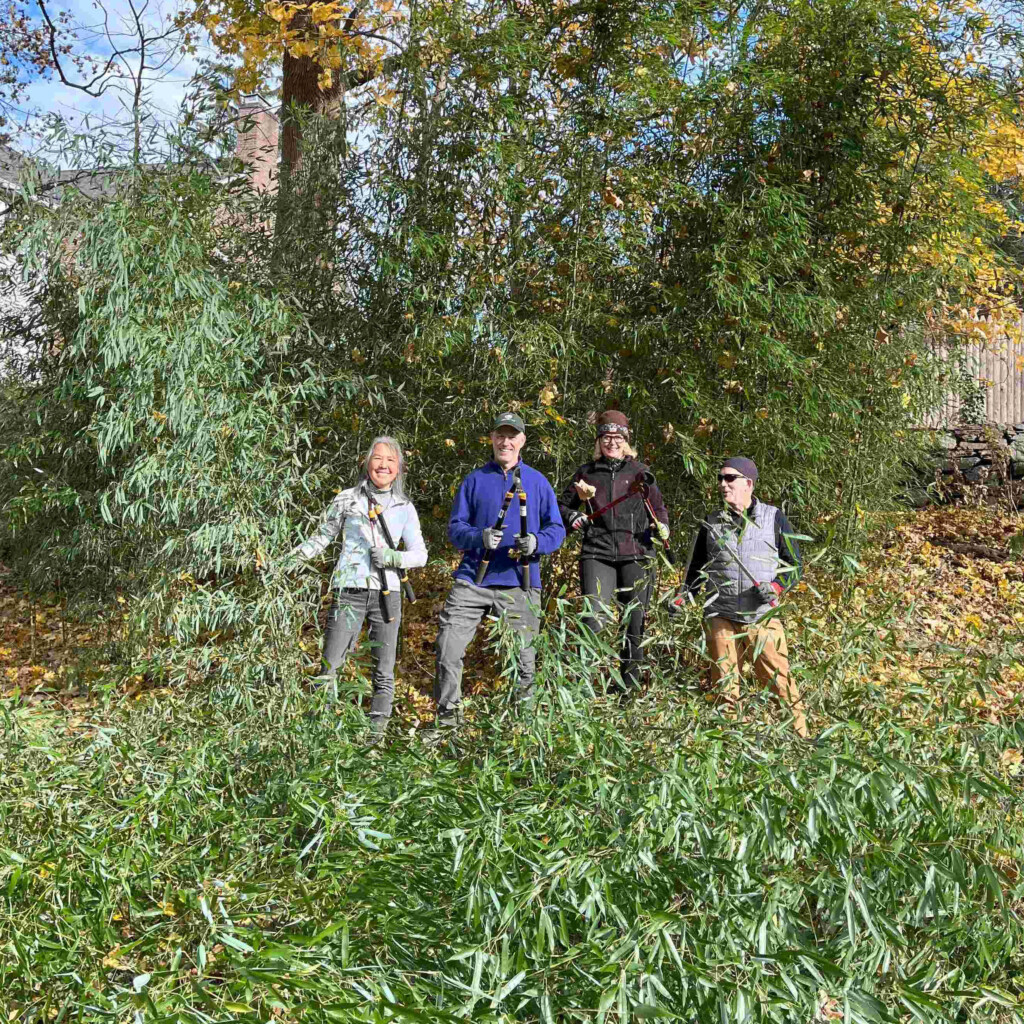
327, 33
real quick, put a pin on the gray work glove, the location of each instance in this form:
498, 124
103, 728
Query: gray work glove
768, 592
580, 521
492, 538
385, 558
677, 604
662, 529
526, 545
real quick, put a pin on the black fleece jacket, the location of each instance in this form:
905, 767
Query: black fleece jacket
622, 534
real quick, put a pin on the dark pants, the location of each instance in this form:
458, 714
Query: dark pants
630, 585
349, 609
465, 608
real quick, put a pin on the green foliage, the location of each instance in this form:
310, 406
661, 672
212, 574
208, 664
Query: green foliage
236, 851
159, 453
732, 226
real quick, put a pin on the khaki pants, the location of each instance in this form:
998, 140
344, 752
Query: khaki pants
732, 645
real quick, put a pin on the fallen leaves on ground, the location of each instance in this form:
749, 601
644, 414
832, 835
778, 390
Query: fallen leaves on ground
954, 607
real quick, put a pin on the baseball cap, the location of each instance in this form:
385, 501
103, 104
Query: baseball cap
510, 419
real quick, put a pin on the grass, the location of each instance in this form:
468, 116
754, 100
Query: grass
234, 853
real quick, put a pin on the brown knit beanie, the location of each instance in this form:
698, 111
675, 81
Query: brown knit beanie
612, 422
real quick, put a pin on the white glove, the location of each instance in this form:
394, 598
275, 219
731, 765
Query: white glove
662, 530
526, 545
492, 538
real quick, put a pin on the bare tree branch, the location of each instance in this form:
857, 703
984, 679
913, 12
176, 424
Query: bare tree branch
58, 67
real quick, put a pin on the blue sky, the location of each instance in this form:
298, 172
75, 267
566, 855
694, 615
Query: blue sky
165, 88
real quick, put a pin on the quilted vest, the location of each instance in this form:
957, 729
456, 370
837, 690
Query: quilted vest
751, 541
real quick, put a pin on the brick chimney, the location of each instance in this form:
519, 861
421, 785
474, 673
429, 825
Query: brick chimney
257, 146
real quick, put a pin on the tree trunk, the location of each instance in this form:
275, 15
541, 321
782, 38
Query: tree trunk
301, 95
302, 99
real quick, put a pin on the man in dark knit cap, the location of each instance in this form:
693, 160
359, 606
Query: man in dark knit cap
746, 555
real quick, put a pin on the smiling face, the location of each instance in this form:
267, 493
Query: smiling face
507, 443
613, 446
383, 466
736, 490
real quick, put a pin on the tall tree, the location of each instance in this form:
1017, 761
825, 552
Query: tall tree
120, 51
320, 50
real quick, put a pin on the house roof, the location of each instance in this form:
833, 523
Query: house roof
13, 166
91, 182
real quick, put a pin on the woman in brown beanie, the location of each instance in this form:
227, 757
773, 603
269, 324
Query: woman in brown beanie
617, 557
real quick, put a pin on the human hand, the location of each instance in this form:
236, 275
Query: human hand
769, 592
579, 521
526, 545
492, 538
663, 530
385, 558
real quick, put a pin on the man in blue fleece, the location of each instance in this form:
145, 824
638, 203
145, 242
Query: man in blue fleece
500, 593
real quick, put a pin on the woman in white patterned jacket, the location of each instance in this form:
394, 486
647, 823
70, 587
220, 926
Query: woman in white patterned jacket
365, 558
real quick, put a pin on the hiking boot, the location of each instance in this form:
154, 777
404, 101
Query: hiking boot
375, 732
446, 729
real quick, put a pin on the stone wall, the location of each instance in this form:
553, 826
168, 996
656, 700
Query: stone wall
980, 453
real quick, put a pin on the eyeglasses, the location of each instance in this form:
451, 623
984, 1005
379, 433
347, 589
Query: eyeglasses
612, 439
726, 478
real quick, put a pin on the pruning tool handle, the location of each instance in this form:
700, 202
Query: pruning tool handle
382, 575
407, 591
634, 488
523, 532
645, 490
499, 524
774, 602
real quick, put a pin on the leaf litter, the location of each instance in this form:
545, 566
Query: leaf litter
233, 851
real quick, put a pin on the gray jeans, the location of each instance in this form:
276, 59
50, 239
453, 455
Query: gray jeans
465, 608
344, 623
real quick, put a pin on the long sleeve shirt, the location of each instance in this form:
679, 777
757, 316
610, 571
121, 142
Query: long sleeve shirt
476, 507
348, 515
623, 533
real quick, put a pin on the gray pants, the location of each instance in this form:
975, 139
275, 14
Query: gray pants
344, 623
465, 608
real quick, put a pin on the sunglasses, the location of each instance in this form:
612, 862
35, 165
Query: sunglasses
729, 478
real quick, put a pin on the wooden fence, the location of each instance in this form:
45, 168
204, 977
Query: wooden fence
999, 372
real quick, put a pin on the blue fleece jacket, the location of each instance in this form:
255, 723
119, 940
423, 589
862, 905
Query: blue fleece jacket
476, 508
